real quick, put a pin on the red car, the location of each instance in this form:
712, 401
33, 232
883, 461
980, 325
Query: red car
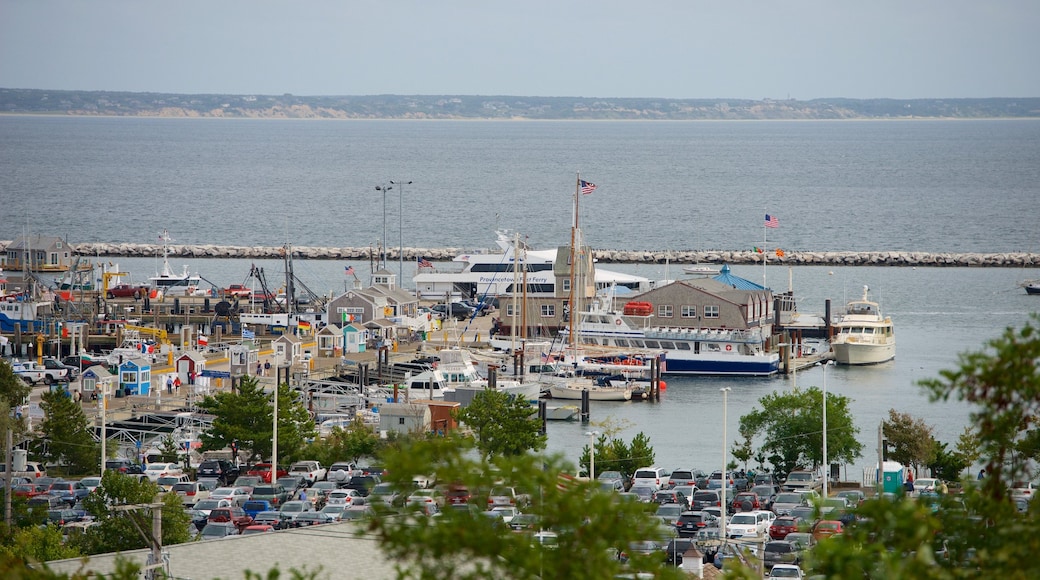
127, 291
827, 528
746, 501
263, 471
237, 290
784, 525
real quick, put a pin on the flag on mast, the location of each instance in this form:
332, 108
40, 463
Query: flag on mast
423, 262
587, 187
772, 221
348, 270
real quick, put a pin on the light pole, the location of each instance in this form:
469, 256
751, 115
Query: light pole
826, 466
725, 479
592, 454
400, 229
384, 189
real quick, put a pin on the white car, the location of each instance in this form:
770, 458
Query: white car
236, 495
1023, 489
344, 497
927, 485
156, 470
745, 525
786, 571
506, 513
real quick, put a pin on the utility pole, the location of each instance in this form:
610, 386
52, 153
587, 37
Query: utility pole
155, 559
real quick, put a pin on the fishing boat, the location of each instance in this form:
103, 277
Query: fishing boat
863, 336
173, 284
24, 310
1032, 286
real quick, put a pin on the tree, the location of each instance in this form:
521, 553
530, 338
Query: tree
791, 424
169, 450
67, 431
38, 544
245, 416
947, 465
978, 531
745, 450
616, 455
591, 526
911, 439
13, 390
119, 531
502, 424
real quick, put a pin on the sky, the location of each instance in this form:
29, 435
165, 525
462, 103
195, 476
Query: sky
738, 49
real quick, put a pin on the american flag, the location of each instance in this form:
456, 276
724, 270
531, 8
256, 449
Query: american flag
772, 221
423, 262
348, 270
248, 334
587, 187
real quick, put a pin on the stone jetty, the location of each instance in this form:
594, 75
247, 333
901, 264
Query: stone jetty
798, 258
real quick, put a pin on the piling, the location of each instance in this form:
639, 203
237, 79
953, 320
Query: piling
585, 406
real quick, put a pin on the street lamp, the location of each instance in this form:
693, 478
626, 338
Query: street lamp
400, 228
592, 454
725, 479
826, 465
384, 189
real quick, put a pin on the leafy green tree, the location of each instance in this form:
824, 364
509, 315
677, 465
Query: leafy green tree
910, 438
169, 451
356, 441
67, 431
976, 533
13, 390
590, 525
121, 530
616, 455
745, 450
38, 544
14, 567
947, 465
245, 416
791, 424
503, 425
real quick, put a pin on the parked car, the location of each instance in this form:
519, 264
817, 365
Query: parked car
191, 492
656, 477
481, 308
780, 552
346, 497
505, 495
827, 528
237, 291
669, 513
766, 494
854, 497
219, 469
645, 493
257, 529
247, 481
275, 519
70, 492
292, 483
455, 310
124, 466
236, 495
218, 530
784, 525
263, 470
342, 471
311, 518
233, 514
55, 364
786, 571
787, 501
614, 476
685, 480
765, 479
387, 493
276, 494
672, 496
746, 501
156, 470
705, 498
255, 506
167, 482
690, 523
311, 471
291, 509
803, 480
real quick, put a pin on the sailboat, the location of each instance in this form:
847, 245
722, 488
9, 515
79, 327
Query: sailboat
604, 389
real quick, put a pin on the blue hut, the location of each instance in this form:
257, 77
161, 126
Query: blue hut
135, 376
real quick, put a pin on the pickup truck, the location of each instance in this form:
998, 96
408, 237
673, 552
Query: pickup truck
56, 365
127, 291
237, 290
263, 470
803, 481
312, 471
33, 373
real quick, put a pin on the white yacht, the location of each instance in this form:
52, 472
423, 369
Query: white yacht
170, 283
492, 273
863, 336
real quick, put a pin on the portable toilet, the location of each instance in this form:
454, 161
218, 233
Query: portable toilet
892, 477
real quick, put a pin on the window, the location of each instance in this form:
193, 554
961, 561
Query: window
128, 377
688, 311
566, 284
509, 310
400, 420
548, 310
664, 310
711, 311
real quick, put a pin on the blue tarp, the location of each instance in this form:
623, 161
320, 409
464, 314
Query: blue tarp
737, 282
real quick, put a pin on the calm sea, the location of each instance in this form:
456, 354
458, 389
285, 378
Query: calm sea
964, 186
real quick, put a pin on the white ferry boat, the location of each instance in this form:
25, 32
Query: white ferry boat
863, 336
513, 264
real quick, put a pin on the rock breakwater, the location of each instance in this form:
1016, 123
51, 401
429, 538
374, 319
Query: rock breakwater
799, 258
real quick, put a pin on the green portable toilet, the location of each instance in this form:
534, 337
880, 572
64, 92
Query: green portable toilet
892, 477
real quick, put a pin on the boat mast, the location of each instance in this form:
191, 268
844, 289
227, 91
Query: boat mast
573, 264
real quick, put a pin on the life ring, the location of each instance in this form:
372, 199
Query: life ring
618, 322
617, 361
729, 347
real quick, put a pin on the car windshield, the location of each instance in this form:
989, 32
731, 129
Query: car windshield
743, 519
789, 498
292, 506
207, 504
779, 572
799, 477
779, 547
264, 490
669, 510
168, 480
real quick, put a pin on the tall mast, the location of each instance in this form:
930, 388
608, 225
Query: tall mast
574, 266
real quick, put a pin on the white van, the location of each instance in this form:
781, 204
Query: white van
656, 477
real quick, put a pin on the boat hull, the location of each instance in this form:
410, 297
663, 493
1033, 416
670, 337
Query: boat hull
574, 393
1033, 289
846, 353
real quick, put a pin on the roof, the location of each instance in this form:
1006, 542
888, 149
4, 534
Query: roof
333, 548
737, 282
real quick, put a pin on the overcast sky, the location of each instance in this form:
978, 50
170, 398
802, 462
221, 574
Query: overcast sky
752, 49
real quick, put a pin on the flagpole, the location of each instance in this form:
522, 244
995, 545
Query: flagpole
764, 285
570, 299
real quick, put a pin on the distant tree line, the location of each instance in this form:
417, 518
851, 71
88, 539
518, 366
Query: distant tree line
38, 101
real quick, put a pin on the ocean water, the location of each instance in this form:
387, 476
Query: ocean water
940, 186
